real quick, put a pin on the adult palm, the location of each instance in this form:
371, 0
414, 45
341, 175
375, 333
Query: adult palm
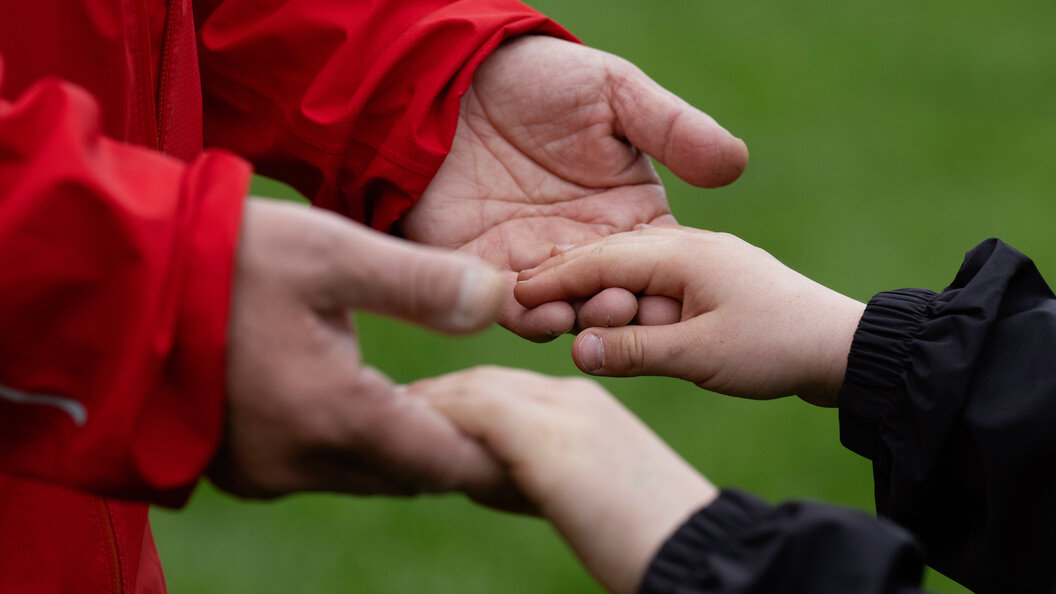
552, 148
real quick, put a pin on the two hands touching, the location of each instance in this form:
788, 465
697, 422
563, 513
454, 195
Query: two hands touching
304, 413
749, 326
552, 149
507, 437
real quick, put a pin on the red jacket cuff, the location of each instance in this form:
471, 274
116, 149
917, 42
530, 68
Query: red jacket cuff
353, 104
182, 422
116, 281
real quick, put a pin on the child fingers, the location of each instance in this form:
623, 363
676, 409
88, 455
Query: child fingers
486, 402
636, 350
637, 264
609, 308
657, 310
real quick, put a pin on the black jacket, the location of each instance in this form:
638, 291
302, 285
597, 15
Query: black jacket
953, 398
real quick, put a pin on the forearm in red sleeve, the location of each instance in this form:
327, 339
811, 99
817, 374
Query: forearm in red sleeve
114, 291
353, 103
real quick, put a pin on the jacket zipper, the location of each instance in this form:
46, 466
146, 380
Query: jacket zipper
111, 545
168, 50
146, 101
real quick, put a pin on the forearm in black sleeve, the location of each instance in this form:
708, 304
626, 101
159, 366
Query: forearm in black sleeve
953, 398
740, 544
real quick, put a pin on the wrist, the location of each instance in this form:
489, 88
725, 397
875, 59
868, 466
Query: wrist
837, 321
647, 528
706, 535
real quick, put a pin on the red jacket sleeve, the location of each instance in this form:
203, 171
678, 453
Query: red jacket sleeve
115, 272
353, 103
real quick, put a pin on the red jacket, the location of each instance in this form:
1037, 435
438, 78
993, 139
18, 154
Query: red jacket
117, 231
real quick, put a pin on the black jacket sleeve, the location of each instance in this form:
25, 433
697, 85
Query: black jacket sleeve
953, 397
740, 544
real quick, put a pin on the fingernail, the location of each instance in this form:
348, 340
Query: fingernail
562, 248
591, 353
479, 298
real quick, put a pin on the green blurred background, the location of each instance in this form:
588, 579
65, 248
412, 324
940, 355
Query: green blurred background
886, 139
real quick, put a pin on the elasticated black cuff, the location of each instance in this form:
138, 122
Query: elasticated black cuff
877, 363
684, 556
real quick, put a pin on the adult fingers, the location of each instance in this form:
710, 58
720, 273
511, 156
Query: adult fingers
688, 141
443, 290
399, 442
637, 350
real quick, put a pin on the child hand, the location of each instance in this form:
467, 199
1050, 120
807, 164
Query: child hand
610, 486
750, 326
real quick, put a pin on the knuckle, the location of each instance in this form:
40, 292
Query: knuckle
417, 283
632, 352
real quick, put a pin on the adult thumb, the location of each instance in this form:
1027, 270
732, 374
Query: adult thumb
439, 289
688, 141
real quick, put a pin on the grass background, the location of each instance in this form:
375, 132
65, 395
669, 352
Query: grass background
886, 141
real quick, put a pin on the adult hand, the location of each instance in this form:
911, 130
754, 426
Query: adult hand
750, 326
547, 153
609, 485
303, 412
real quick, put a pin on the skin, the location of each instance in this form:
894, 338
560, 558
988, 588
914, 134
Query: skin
552, 148
749, 326
303, 411
609, 485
